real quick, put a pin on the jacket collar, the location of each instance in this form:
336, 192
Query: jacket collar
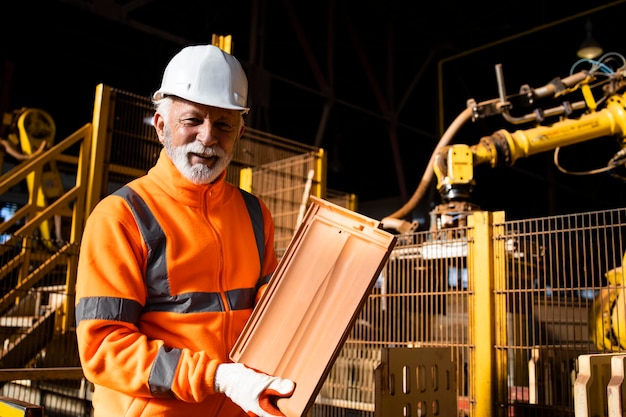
166, 176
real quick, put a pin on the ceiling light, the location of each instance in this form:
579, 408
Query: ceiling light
589, 49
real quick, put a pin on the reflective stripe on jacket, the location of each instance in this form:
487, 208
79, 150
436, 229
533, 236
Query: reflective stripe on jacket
168, 275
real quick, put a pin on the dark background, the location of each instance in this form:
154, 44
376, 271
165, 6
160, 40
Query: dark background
374, 65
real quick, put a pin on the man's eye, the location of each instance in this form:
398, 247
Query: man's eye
190, 121
224, 126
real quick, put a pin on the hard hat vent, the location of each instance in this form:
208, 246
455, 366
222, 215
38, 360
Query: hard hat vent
207, 75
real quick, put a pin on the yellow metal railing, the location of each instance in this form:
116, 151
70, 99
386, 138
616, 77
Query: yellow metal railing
33, 214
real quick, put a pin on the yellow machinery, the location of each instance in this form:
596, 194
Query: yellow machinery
590, 104
30, 132
607, 317
598, 112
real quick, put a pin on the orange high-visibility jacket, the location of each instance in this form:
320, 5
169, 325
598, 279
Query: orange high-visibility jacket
154, 319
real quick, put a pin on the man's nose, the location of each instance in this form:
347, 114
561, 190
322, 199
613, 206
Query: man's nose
204, 134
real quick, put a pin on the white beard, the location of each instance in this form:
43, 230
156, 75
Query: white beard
198, 173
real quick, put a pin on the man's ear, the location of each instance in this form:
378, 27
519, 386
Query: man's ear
159, 126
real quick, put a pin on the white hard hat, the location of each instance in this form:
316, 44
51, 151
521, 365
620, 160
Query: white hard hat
207, 75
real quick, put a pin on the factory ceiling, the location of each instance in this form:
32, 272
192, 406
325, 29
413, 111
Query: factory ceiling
375, 83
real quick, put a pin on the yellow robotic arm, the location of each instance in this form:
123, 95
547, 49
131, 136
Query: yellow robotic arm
454, 164
576, 122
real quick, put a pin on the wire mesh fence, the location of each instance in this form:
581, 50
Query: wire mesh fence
559, 283
563, 295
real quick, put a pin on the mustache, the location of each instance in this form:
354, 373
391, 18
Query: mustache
205, 151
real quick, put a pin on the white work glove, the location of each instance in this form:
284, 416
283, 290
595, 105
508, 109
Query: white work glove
255, 392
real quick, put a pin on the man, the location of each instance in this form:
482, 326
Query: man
168, 272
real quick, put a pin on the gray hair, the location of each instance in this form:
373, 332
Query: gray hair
163, 105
